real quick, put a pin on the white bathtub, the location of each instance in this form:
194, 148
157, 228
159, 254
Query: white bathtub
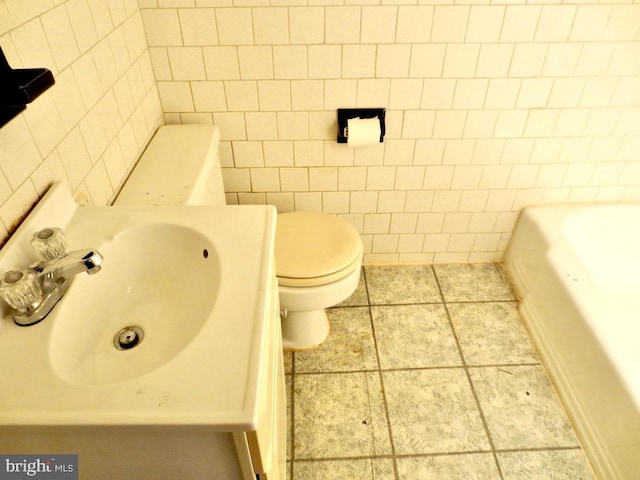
577, 271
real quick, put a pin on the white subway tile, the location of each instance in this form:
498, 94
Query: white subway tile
430, 223
391, 201
294, 179
335, 202
528, 59
209, 96
555, 23
352, 178
324, 179
358, 61
534, 92
480, 124
392, 61
236, 179
221, 63
598, 92
502, 93
487, 151
271, 25
470, 93
232, 125
418, 123
378, 24
547, 150
187, 63
399, 151
293, 125
541, 123
412, 242
414, 24
265, 179
409, 177
438, 93
405, 93
494, 60
427, 60
198, 26
290, 62
458, 152
376, 223
561, 59
274, 95
234, 26
372, 92
308, 153
460, 60
446, 201
261, 125
449, 23
247, 154
590, 23
306, 25
429, 152
517, 151
449, 123
278, 153
308, 201
340, 94
520, 22
523, 176
485, 23
342, 24
566, 92
60, 35
242, 95
324, 61
403, 223
283, 201
380, 178
162, 27
256, 62
624, 23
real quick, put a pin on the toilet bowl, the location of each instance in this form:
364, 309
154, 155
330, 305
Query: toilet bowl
318, 261
318, 256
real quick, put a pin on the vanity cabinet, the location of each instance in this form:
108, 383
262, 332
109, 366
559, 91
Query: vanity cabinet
212, 408
174, 451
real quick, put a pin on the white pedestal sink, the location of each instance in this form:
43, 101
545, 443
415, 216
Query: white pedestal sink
202, 392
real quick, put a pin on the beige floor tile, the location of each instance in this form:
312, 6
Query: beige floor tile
349, 347
433, 411
491, 333
414, 336
339, 415
401, 284
353, 469
521, 408
469, 466
545, 465
471, 282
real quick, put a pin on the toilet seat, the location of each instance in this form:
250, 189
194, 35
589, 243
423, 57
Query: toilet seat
313, 249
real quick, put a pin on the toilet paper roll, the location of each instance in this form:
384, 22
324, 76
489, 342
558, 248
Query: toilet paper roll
363, 132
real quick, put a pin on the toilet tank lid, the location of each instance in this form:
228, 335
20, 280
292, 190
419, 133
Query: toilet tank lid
174, 168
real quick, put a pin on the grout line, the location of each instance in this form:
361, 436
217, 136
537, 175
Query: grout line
384, 395
466, 370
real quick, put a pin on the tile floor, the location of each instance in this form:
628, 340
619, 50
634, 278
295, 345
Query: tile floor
428, 374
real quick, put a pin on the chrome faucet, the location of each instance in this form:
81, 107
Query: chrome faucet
34, 291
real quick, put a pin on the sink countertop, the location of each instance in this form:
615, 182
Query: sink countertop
212, 382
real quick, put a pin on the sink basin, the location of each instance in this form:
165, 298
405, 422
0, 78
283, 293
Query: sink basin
150, 300
192, 279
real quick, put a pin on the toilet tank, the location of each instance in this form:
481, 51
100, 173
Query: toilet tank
181, 166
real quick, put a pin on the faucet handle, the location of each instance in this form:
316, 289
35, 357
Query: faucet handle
49, 243
21, 289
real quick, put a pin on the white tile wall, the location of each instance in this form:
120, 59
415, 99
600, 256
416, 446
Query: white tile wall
89, 128
490, 107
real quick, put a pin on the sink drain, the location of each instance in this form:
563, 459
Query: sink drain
128, 337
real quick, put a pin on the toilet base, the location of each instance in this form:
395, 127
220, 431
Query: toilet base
304, 330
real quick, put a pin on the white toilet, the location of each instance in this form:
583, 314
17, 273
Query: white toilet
318, 256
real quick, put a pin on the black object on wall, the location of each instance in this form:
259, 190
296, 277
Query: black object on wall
19, 87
